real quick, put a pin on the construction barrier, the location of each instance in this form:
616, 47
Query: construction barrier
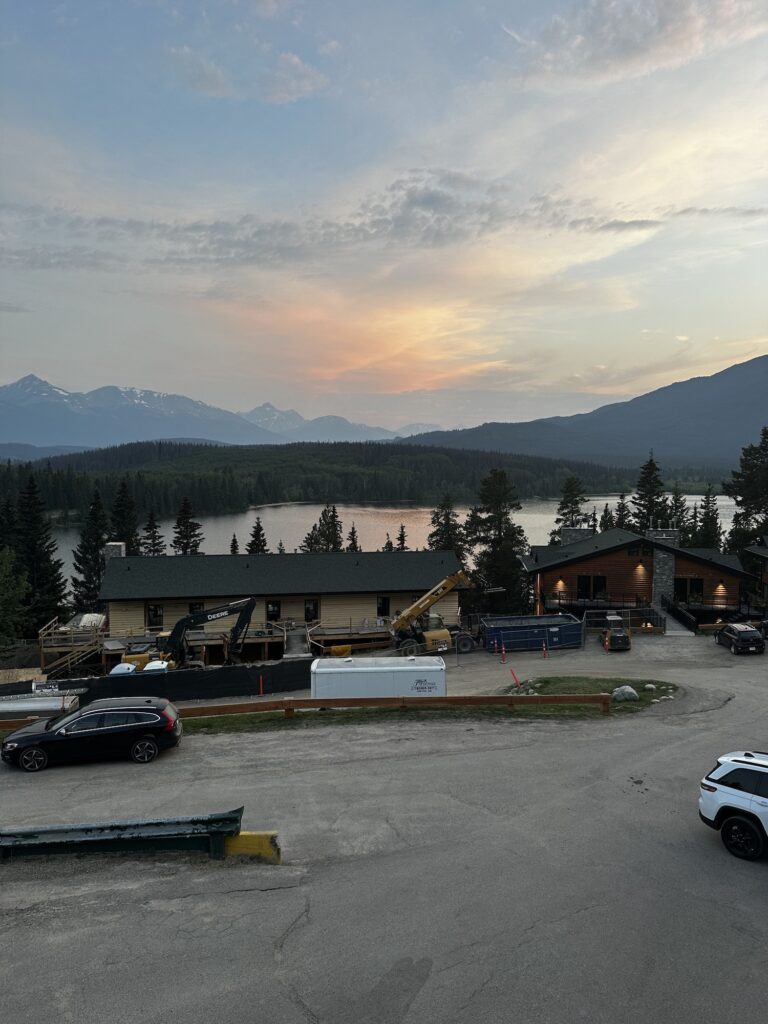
215, 834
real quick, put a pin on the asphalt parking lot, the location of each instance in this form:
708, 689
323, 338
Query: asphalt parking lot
537, 871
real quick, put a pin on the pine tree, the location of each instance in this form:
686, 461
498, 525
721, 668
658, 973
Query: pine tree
709, 533
234, 547
36, 559
187, 534
622, 516
125, 521
497, 540
606, 519
152, 543
680, 514
257, 544
13, 590
401, 538
693, 528
651, 506
353, 543
7, 524
748, 487
447, 533
326, 534
88, 557
569, 511
330, 531
388, 545
592, 519
311, 542
280, 547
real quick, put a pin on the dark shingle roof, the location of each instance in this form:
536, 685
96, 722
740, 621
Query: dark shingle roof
546, 556
173, 576
551, 556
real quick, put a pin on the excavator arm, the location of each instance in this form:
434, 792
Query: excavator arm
175, 645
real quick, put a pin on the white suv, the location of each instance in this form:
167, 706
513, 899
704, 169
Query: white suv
734, 800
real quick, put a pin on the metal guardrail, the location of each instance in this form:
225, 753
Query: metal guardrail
289, 705
204, 832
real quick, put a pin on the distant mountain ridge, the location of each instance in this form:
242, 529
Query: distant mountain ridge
293, 426
35, 412
706, 420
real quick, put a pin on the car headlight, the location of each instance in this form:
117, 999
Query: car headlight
10, 746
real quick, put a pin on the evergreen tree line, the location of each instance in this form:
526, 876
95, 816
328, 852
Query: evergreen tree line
220, 479
651, 505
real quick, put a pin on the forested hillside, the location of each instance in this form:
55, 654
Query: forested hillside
228, 479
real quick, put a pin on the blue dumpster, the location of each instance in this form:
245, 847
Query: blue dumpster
529, 632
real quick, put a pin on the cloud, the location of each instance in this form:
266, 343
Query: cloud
613, 39
10, 307
418, 211
271, 8
292, 80
201, 74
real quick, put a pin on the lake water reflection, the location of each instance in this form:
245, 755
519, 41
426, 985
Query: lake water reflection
290, 523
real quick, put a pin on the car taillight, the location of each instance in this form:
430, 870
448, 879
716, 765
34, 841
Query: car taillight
169, 722
709, 789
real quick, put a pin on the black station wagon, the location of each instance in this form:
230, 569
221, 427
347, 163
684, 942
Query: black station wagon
135, 727
740, 638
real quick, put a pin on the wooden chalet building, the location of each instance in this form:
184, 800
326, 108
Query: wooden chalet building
621, 569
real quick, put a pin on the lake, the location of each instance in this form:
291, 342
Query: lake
290, 523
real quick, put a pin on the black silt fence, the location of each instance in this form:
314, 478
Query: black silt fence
191, 684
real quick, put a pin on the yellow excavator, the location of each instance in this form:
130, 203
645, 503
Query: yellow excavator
415, 631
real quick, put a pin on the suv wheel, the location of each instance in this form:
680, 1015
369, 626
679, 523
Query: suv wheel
33, 759
734, 649
743, 838
144, 750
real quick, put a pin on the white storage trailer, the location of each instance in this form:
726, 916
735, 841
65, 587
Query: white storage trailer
378, 677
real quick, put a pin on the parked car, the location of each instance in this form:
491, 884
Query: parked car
733, 799
135, 727
740, 638
615, 637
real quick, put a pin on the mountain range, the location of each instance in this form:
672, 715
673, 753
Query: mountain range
34, 412
701, 421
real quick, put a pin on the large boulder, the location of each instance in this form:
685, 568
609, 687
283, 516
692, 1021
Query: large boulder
624, 693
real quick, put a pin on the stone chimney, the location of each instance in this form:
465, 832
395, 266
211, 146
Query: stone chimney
572, 534
114, 549
663, 561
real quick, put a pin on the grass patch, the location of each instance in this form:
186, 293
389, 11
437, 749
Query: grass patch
590, 684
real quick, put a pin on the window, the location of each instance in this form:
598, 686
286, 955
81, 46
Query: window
762, 784
87, 723
382, 607
273, 610
591, 587
154, 616
311, 609
115, 718
687, 589
196, 606
742, 779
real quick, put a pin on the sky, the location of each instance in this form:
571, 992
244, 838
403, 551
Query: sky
433, 211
